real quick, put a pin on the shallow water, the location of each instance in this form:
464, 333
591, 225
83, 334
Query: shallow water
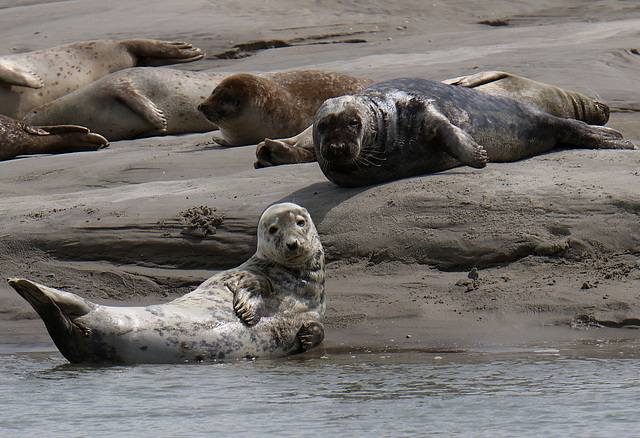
588, 389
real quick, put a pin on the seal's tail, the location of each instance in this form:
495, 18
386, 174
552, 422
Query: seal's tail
596, 137
57, 309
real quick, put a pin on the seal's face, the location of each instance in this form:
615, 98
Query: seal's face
338, 131
287, 235
227, 100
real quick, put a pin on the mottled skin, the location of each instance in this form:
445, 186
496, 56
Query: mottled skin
249, 108
135, 102
31, 79
407, 127
19, 138
554, 100
272, 305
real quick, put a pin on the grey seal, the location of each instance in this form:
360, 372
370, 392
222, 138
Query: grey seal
405, 127
272, 305
548, 98
32, 79
19, 138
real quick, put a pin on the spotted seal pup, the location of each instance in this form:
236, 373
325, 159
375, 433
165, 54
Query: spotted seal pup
405, 127
249, 108
554, 100
19, 138
32, 79
272, 305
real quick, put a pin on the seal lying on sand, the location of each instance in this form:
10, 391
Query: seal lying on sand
19, 138
406, 127
249, 108
554, 100
271, 305
135, 102
34, 78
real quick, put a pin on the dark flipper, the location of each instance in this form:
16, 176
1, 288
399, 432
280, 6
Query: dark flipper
57, 310
154, 53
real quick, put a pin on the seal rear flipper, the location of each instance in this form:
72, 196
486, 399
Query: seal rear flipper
453, 140
57, 310
12, 74
154, 53
587, 136
277, 152
128, 95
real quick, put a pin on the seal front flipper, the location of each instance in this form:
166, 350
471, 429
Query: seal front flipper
454, 141
249, 290
310, 334
12, 74
128, 95
155, 53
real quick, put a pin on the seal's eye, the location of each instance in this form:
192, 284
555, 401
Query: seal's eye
301, 223
354, 124
322, 127
273, 229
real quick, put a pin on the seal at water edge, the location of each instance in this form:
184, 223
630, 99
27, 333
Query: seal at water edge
554, 100
272, 305
249, 108
135, 102
32, 79
405, 127
19, 138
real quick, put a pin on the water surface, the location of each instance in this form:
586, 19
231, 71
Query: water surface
588, 389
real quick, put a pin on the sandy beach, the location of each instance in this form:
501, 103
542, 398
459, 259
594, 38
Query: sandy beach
539, 251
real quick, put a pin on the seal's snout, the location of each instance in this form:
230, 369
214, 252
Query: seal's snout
293, 245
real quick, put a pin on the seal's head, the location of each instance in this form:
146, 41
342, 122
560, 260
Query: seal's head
338, 131
232, 98
287, 235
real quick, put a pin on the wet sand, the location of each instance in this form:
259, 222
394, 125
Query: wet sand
553, 242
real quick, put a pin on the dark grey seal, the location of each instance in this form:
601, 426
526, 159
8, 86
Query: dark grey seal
406, 127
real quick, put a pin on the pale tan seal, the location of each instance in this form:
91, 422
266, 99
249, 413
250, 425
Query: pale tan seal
19, 138
554, 100
135, 102
249, 108
34, 78
272, 305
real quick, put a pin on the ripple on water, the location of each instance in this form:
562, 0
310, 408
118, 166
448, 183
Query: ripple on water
524, 393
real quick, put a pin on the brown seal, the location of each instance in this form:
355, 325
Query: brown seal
249, 108
554, 100
32, 79
19, 138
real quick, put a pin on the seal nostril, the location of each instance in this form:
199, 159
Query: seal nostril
292, 245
